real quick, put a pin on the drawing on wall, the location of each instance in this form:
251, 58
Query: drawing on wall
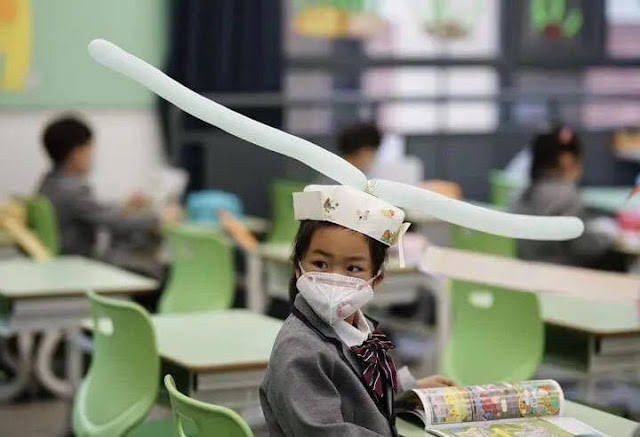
338, 18
551, 20
447, 23
15, 44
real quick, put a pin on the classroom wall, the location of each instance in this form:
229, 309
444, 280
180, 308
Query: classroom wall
62, 76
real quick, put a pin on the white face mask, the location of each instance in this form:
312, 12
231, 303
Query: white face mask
332, 296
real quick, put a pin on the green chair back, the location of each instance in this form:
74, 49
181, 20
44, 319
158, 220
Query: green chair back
498, 335
502, 188
285, 226
43, 220
122, 383
209, 420
476, 241
202, 275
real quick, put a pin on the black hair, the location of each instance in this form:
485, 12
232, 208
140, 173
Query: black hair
63, 135
356, 136
547, 149
377, 250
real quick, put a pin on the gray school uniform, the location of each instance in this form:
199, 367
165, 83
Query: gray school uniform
80, 215
553, 196
313, 384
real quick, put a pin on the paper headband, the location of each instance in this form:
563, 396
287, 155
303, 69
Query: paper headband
351, 208
329, 164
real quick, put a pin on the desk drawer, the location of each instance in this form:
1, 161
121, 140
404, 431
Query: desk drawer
229, 380
627, 344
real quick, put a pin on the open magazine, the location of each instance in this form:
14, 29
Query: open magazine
531, 408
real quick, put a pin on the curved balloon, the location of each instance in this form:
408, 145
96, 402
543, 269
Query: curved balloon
327, 163
475, 217
316, 157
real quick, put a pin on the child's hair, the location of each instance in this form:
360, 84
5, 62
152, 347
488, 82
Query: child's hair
302, 241
547, 148
63, 135
354, 137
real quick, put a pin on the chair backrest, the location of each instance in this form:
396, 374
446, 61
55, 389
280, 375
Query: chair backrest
209, 420
503, 188
122, 383
498, 334
497, 329
202, 275
43, 220
285, 226
475, 241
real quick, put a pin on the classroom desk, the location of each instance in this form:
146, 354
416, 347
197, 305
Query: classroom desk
606, 423
610, 200
219, 356
591, 338
48, 298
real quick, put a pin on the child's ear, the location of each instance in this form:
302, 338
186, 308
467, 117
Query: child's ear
378, 280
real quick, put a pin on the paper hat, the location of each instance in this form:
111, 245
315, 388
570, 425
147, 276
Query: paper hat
353, 209
398, 194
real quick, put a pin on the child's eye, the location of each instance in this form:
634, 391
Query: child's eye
320, 264
354, 269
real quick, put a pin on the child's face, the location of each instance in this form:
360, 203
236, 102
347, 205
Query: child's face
570, 167
339, 250
79, 161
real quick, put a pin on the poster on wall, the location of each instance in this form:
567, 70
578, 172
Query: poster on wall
43, 51
15, 44
558, 31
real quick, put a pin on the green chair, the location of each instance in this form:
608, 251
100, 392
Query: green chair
43, 220
285, 226
476, 241
202, 275
207, 419
502, 188
122, 383
498, 335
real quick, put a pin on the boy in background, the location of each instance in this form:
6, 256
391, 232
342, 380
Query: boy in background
68, 141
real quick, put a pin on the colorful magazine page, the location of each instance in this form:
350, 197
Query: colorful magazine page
547, 427
485, 402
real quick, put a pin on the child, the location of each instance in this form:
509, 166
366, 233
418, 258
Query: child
555, 171
68, 142
330, 373
358, 144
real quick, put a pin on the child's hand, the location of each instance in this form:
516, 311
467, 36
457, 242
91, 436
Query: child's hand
435, 381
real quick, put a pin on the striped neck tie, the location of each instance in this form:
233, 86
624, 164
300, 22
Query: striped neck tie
378, 369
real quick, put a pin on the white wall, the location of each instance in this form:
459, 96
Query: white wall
128, 151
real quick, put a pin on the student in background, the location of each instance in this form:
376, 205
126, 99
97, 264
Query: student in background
68, 141
358, 144
556, 169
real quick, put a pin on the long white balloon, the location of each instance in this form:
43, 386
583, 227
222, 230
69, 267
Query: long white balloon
322, 160
402, 195
475, 217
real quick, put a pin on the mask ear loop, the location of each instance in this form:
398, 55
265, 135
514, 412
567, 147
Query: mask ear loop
403, 230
